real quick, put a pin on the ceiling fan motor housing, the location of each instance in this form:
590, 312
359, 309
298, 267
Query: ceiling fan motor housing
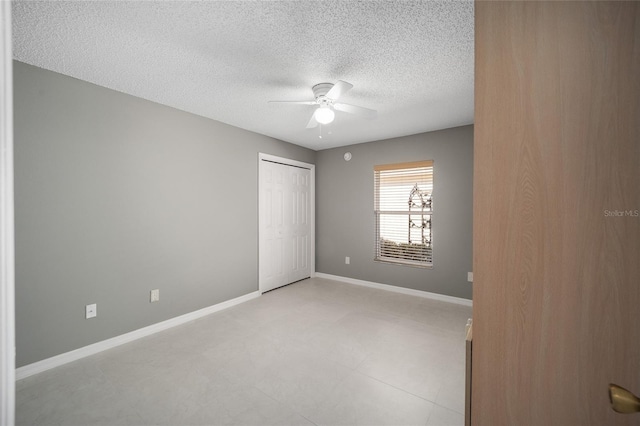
320, 91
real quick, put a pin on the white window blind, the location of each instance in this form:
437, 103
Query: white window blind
403, 209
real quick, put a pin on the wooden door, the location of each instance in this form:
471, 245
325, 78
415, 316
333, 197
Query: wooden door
556, 310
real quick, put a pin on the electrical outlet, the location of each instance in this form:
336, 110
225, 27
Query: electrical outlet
347, 260
91, 311
155, 295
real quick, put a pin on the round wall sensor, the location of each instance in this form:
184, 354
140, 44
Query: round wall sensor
347, 156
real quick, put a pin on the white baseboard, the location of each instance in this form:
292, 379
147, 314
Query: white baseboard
396, 289
58, 360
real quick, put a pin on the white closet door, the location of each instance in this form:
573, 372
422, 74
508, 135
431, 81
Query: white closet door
273, 272
284, 225
300, 180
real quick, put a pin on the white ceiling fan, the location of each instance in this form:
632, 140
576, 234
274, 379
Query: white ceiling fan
326, 98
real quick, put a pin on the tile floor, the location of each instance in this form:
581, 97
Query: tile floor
317, 352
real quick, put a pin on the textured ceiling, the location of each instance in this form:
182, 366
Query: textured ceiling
410, 60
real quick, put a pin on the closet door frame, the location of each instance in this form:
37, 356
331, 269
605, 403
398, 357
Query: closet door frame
7, 249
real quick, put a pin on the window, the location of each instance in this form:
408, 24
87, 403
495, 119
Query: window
403, 209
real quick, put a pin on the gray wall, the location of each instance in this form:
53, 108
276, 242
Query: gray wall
345, 220
116, 196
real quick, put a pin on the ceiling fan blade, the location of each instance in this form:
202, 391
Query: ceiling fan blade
358, 110
294, 102
312, 123
338, 89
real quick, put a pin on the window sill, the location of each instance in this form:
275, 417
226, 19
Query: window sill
406, 263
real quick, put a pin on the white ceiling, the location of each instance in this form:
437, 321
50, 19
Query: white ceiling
410, 60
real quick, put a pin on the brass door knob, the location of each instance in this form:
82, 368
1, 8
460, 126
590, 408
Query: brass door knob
622, 400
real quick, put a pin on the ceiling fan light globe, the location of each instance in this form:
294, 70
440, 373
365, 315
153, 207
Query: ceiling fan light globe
324, 115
